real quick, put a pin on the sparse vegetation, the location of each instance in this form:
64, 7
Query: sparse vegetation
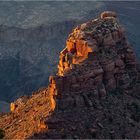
1, 133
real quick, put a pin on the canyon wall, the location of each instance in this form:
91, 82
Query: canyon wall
97, 58
94, 94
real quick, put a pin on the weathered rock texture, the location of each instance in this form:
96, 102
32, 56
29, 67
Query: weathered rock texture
28, 115
97, 57
96, 90
94, 86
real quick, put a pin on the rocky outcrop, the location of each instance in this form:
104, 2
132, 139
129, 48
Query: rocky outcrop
108, 14
97, 58
94, 86
88, 94
28, 115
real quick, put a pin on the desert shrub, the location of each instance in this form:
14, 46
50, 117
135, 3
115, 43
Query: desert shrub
1, 133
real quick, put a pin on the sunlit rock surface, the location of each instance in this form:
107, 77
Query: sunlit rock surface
94, 94
32, 34
97, 57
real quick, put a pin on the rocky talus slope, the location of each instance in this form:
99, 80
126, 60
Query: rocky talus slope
95, 93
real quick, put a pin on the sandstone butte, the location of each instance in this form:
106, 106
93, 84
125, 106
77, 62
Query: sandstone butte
97, 60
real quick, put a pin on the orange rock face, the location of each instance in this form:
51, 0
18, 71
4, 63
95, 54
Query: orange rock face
97, 54
97, 59
28, 115
12, 107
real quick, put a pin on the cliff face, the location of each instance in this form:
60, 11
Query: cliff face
29, 55
94, 93
28, 115
97, 57
31, 37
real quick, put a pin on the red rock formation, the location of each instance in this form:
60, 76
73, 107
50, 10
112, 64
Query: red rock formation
28, 115
97, 58
97, 54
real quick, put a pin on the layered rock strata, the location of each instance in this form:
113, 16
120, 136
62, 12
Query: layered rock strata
97, 58
28, 115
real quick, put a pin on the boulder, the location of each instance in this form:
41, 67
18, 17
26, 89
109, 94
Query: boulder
107, 14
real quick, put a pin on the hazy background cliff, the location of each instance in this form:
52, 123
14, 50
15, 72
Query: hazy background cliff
32, 34
31, 37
